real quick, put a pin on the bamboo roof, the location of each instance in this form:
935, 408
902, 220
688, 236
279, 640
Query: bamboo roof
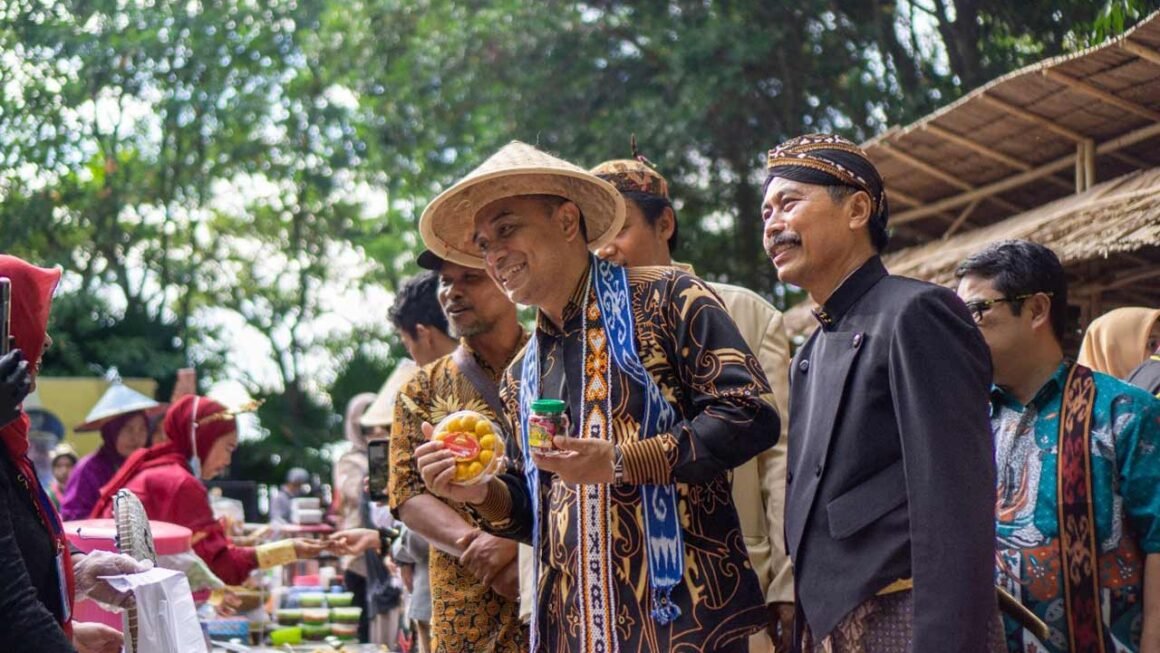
1020, 141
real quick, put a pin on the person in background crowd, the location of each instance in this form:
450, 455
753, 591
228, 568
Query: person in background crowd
636, 540
168, 480
890, 488
1147, 374
297, 479
38, 578
350, 472
1116, 342
1073, 446
648, 237
64, 458
122, 418
474, 576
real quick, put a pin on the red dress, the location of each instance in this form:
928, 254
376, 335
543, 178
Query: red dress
170, 492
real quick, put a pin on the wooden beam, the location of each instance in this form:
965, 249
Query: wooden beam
977, 148
931, 170
892, 194
1020, 112
1102, 95
1089, 164
1142, 51
1135, 162
1062, 163
962, 219
1129, 278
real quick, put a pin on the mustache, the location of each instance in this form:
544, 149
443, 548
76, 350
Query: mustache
786, 238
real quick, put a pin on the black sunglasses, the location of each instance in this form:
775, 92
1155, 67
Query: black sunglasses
979, 307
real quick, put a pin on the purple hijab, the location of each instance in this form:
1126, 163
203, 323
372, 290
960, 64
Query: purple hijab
94, 470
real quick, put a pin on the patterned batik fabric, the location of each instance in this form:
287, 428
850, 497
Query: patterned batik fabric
466, 614
632, 176
692, 350
883, 624
1125, 450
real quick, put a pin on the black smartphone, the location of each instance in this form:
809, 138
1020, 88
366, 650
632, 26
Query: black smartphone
5, 315
379, 466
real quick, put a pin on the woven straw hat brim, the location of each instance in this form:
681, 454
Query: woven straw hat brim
95, 423
118, 399
448, 222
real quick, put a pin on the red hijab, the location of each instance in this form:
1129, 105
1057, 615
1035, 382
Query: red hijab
32, 289
211, 422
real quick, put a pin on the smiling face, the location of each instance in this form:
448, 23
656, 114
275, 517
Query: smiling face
472, 301
807, 234
219, 455
530, 246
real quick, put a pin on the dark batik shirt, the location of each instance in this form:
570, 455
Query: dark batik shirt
694, 352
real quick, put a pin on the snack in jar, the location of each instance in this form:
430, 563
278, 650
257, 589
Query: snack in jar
546, 421
476, 443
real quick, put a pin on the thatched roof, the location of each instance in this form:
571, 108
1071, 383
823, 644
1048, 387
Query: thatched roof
1108, 238
1014, 143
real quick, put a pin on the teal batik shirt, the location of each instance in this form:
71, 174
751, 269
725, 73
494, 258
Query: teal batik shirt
1125, 444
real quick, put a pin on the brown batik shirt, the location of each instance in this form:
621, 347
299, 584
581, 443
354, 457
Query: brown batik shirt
466, 615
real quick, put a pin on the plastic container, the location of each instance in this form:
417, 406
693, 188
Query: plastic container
315, 632
339, 599
312, 600
345, 615
546, 421
476, 442
283, 636
344, 632
288, 617
315, 616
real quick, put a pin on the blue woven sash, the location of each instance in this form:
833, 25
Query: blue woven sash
610, 346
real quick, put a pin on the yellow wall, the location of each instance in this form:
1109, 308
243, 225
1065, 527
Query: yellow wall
71, 399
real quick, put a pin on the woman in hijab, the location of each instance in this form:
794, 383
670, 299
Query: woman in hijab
1119, 340
167, 478
121, 435
37, 584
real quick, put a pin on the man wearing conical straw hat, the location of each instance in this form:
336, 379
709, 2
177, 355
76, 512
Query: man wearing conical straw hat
637, 543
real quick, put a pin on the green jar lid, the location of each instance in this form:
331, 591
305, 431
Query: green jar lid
548, 406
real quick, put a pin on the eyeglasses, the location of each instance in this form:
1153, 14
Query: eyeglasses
979, 307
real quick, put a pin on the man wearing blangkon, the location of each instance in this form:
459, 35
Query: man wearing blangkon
889, 491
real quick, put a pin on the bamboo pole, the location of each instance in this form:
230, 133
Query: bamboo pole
959, 221
941, 175
1089, 164
1020, 112
1141, 51
977, 148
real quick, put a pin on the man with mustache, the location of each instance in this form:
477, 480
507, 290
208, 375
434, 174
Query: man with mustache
648, 237
890, 489
474, 576
635, 537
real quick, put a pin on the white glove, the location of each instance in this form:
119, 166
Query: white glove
89, 569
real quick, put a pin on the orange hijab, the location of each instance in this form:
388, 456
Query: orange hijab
1114, 342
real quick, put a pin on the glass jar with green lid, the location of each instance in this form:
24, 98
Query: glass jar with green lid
546, 421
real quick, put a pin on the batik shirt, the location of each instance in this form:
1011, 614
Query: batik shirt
1125, 455
694, 352
466, 615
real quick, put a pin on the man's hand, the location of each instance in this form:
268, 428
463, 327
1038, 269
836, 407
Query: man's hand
485, 556
89, 637
354, 541
88, 569
579, 460
437, 468
15, 384
781, 626
305, 549
507, 584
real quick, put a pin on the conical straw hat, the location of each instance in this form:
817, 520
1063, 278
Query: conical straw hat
448, 222
119, 399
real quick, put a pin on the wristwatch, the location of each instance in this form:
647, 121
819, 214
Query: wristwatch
617, 465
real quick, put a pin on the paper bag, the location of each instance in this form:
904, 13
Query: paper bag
166, 617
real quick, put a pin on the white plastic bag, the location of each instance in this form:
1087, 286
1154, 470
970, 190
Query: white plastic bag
166, 616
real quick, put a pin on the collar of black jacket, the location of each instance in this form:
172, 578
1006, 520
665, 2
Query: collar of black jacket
849, 292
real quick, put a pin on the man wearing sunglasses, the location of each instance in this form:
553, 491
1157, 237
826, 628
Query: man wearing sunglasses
1077, 515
